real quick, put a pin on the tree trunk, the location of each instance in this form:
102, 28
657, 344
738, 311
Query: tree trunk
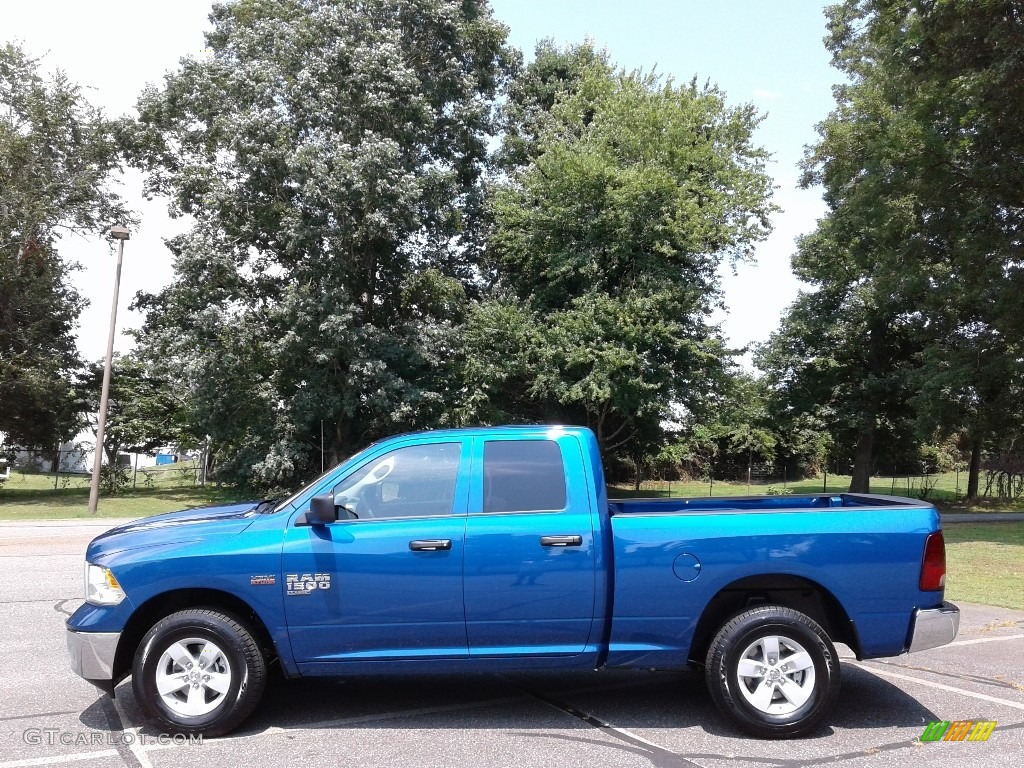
864, 453
337, 450
975, 470
861, 480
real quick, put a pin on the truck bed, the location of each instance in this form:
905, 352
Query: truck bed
864, 552
747, 504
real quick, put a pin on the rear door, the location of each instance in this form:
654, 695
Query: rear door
531, 559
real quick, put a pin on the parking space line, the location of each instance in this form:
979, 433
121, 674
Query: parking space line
983, 640
38, 600
30, 715
37, 555
941, 686
109, 708
59, 759
998, 681
133, 743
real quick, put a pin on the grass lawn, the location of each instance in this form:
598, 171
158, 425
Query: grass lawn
180, 474
985, 563
42, 504
32, 496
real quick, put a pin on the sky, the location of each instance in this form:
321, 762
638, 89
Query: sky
766, 53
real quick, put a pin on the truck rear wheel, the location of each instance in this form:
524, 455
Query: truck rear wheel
199, 671
773, 672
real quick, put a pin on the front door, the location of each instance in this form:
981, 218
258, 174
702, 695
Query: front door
385, 582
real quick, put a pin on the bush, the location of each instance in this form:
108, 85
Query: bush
115, 477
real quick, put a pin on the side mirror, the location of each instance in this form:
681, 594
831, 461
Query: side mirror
322, 510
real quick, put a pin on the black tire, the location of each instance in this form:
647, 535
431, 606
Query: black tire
211, 669
784, 695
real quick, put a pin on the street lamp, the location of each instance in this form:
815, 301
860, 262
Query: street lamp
121, 234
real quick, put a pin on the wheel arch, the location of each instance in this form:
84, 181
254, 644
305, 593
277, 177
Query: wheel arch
163, 605
790, 591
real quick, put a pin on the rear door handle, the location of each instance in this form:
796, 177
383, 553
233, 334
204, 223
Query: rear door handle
429, 545
561, 541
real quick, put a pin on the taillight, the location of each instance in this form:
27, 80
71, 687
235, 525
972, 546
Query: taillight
933, 566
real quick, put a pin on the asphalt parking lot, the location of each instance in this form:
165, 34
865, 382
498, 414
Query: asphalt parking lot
49, 716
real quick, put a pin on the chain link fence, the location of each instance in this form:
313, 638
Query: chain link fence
763, 478
72, 468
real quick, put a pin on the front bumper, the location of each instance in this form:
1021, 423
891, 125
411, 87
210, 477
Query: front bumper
933, 627
92, 656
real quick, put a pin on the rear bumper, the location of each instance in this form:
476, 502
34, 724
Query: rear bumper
92, 656
933, 627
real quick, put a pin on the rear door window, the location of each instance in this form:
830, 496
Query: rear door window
523, 476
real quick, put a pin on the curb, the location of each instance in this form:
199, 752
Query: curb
983, 517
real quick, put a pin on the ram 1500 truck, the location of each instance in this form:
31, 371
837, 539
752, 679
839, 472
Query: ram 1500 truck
497, 549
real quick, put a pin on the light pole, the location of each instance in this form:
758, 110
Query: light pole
121, 234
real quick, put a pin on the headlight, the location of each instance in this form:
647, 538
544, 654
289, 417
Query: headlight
101, 588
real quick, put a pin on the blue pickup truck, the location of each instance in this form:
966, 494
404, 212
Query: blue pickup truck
497, 549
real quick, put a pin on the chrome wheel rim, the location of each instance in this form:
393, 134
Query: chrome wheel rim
776, 675
193, 676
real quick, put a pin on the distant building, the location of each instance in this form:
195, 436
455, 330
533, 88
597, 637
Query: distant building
76, 456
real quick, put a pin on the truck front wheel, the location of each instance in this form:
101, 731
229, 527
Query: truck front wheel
199, 671
773, 672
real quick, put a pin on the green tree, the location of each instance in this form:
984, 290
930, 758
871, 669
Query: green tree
743, 429
331, 153
552, 75
971, 384
144, 411
57, 155
604, 254
968, 77
838, 373
917, 165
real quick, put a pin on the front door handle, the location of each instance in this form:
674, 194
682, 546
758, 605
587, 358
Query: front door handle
429, 545
561, 541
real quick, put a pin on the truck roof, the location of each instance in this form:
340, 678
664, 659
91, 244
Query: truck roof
498, 429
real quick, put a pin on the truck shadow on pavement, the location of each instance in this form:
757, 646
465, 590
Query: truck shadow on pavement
630, 701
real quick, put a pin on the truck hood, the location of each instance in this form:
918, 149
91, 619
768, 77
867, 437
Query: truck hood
173, 527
